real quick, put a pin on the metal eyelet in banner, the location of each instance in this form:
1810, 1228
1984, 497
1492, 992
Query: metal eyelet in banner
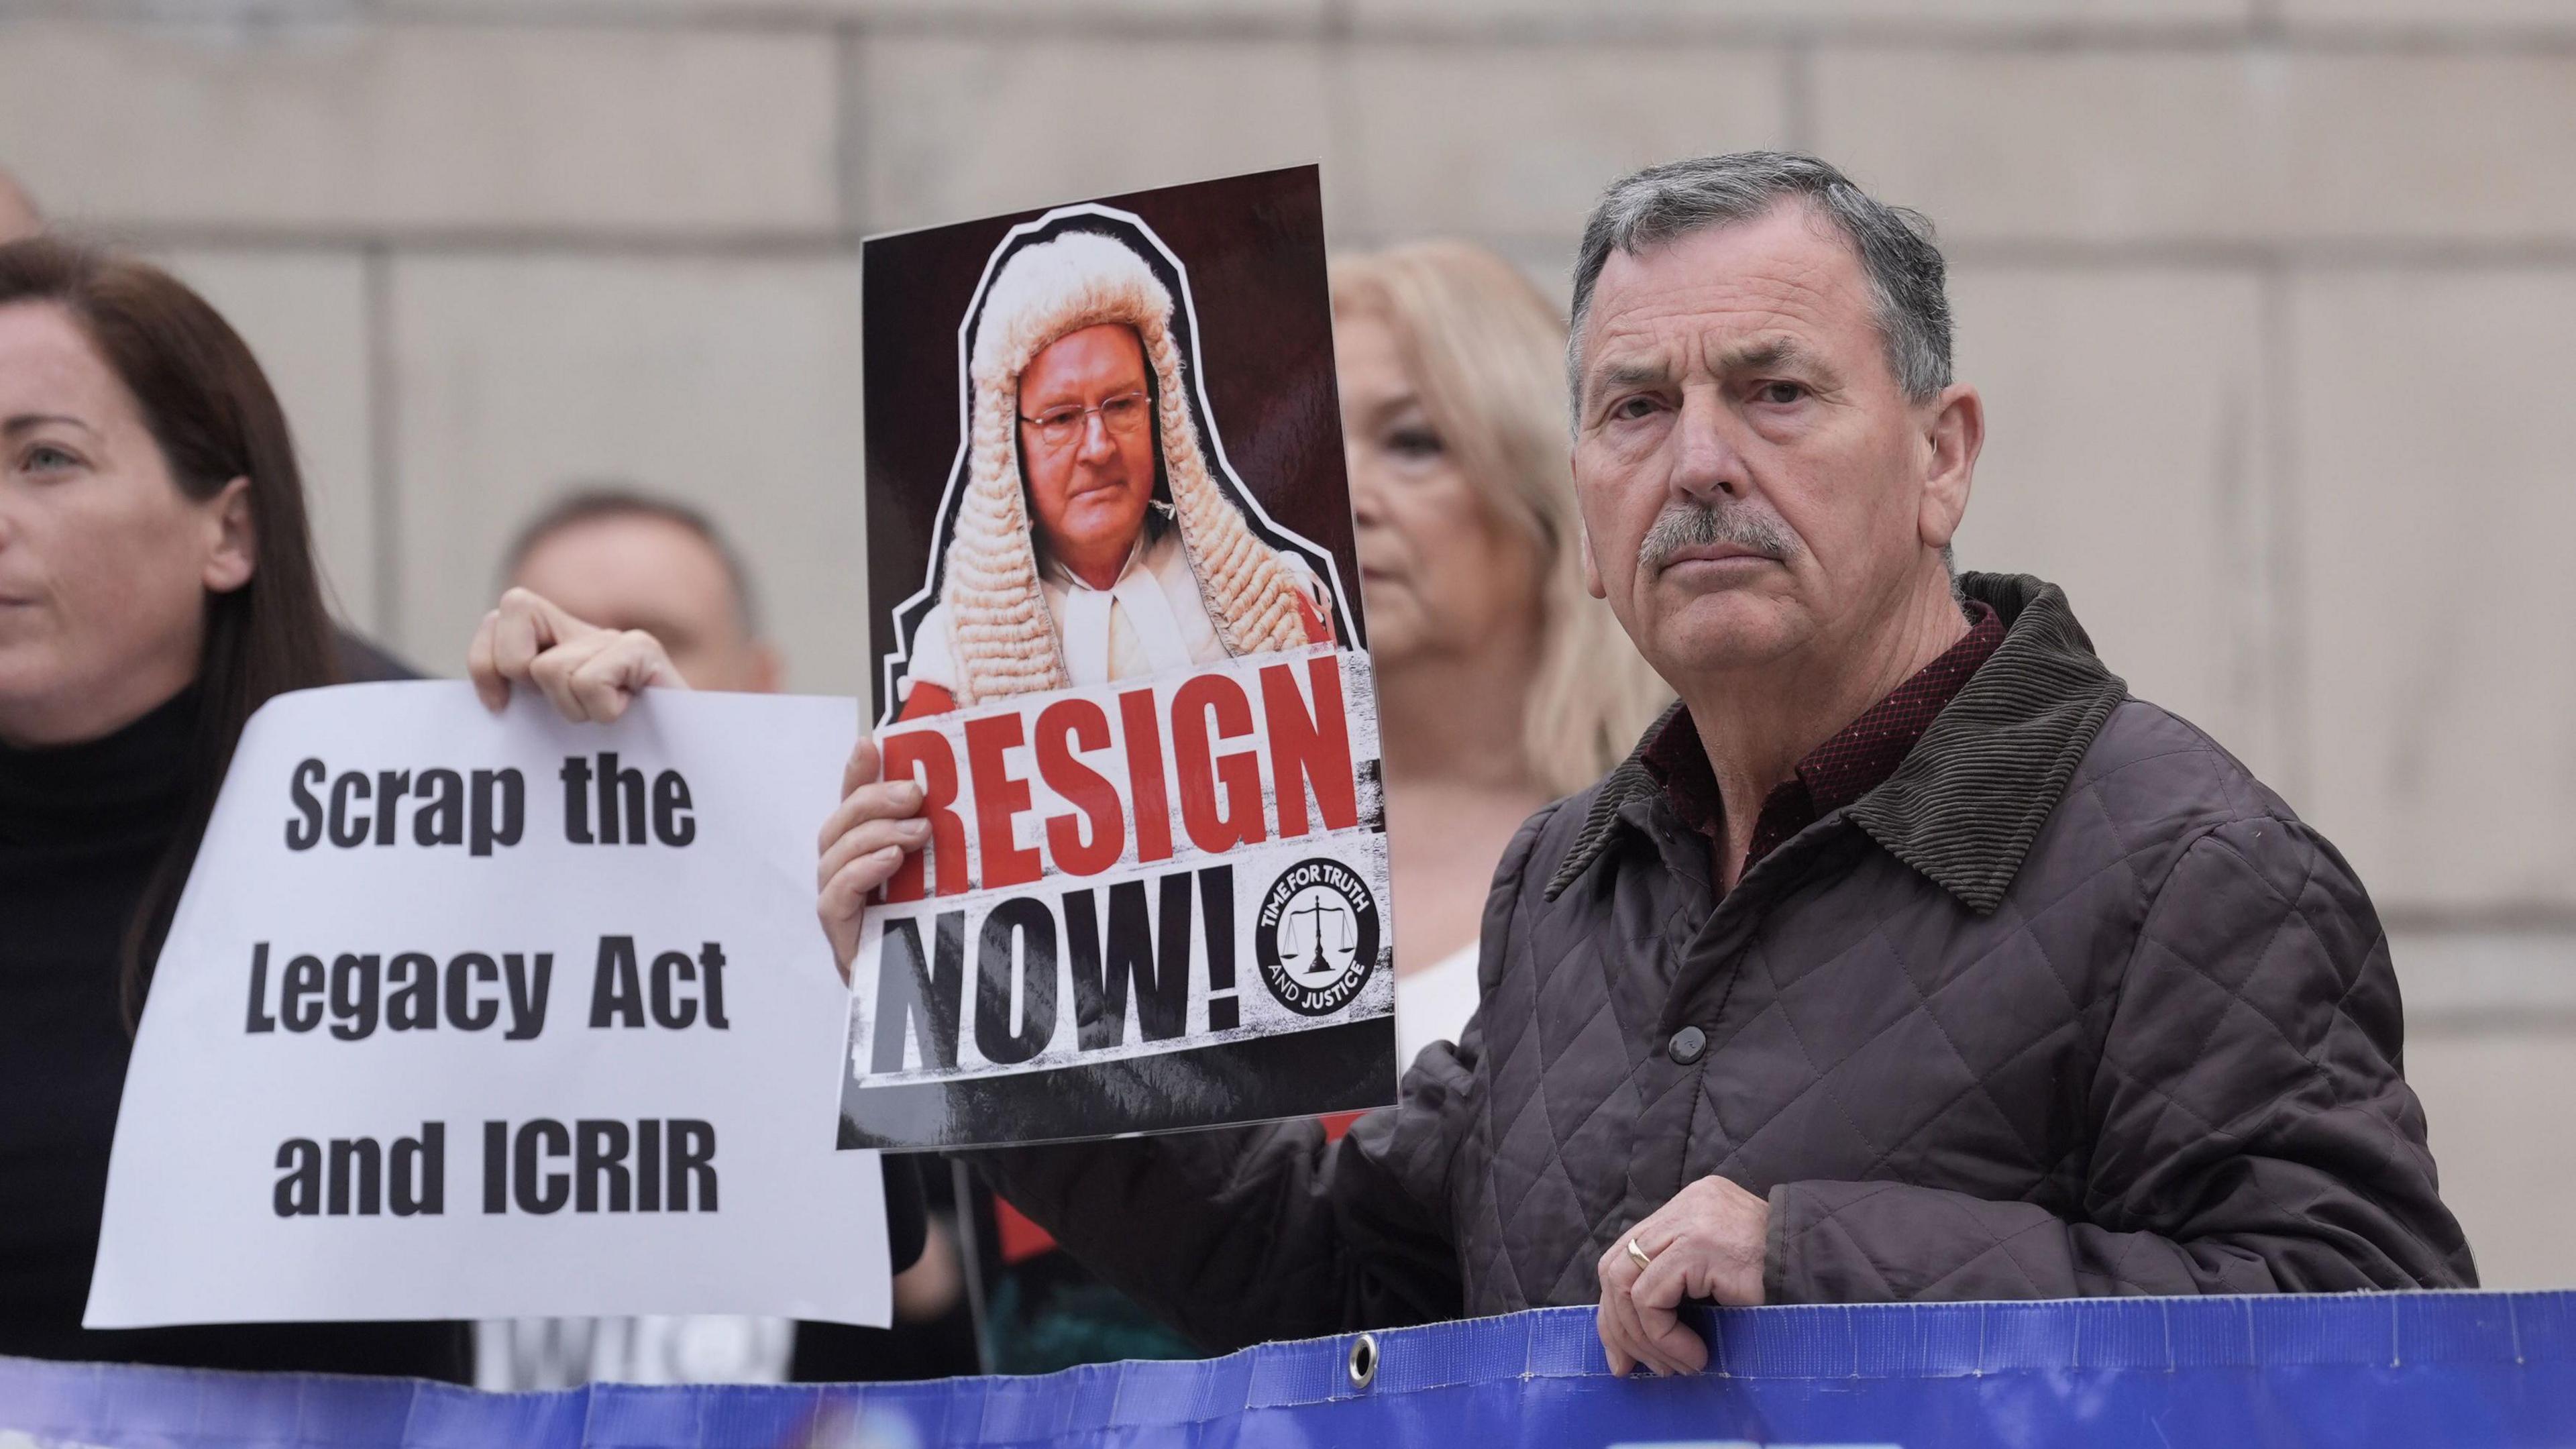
1364, 1361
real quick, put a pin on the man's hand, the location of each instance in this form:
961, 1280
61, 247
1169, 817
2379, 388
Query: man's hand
588, 672
863, 844
1708, 1242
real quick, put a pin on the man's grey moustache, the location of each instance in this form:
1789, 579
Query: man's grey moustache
1699, 527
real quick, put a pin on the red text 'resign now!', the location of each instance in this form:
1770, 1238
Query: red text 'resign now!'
1084, 782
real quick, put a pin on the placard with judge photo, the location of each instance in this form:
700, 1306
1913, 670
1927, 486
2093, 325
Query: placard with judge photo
1109, 536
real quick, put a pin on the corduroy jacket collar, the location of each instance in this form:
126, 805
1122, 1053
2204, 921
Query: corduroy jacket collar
1968, 800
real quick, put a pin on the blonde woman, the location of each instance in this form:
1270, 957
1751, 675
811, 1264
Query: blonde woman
1501, 684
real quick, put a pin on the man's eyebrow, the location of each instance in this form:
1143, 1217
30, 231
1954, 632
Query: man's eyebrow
1636, 372
23, 422
1768, 353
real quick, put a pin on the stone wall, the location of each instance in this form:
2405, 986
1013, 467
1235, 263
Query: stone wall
2272, 300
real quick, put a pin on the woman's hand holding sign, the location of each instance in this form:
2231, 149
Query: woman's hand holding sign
590, 673
863, 845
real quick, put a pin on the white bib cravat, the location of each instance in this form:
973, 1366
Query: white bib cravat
1133, 628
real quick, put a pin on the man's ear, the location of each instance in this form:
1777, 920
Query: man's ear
1591, 566
232, 546
1956, 436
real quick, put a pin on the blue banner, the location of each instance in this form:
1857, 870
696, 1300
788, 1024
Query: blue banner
2360, 1370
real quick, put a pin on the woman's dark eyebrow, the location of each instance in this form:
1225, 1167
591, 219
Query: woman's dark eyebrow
22, 422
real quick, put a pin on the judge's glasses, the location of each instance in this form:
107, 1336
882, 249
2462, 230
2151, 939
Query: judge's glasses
1122, 415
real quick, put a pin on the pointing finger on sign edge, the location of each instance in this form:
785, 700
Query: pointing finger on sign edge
863, 765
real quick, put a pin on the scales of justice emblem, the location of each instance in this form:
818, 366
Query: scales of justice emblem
1317, 936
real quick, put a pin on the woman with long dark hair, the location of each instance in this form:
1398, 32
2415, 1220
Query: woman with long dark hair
157, 585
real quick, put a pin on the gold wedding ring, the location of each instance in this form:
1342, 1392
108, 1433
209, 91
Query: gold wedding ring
1639, 1256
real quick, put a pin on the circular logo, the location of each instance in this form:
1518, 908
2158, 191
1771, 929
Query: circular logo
1316, 937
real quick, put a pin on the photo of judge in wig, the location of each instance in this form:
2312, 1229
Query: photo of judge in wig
1093, 531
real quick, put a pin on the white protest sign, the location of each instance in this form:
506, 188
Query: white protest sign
466, 1016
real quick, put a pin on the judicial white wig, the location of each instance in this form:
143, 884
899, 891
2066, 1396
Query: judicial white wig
1005, 639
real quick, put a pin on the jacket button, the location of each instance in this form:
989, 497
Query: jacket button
1686, 1045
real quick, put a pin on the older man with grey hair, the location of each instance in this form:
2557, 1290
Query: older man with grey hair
1908, 957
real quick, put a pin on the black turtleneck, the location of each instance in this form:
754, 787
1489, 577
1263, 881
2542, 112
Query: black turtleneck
81, 828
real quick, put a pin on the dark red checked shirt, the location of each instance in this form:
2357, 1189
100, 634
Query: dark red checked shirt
1854, 762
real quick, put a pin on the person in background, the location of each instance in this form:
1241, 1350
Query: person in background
157, 585
1501, 684
624, 559
628, 559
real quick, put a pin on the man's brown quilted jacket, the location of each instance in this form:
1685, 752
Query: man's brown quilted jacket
2070, 1005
